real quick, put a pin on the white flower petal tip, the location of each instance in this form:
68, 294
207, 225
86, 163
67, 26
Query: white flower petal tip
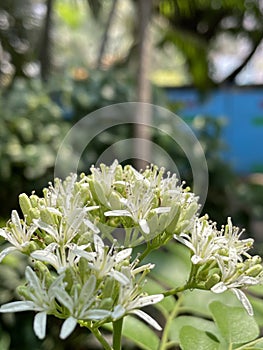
144, 226
18, 306
150, 299
118, 312
123, 254
117, 213
219, 288
5, 252
196, 259
162, 210
40, 322
97, 314
147, 319
120, 277
244, 300
68, 327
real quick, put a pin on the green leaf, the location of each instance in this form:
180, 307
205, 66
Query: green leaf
235, 325
198, 301
192, 338
196, 322
172, 267
258, 309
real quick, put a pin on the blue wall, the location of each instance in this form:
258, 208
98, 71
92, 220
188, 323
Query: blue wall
243, 109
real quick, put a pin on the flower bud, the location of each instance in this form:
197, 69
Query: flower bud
254, 270
34, 200
23, 292
25, 204
114, 201
106, 303
44, 272
32, 246
46, 216
34, 213
212, 280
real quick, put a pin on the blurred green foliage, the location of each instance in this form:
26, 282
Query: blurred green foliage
32, 129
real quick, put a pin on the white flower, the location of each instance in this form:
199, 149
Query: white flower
79, 304
232, 280
229, 238
130, 302
139, 204
201, 241
68, 225
59, 257
41, 300
17, 233
131, 299
105, 261
103, 180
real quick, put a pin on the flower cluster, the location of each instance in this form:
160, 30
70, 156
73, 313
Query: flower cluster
80, 237
76, 276
221, 259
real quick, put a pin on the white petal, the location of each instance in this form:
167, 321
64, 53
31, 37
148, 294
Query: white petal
185, 242
196, 259
92, 207
244, 300
16, 219
90, 225
87, 290
90, 256
64, 298
17, 306
123, 254
120, 277
54, 211
150, 299
144, 226
249, 280
219, 288
117, 213
118, 312
97, 314
32, 278
40, 322
124, 201
3, 233
147, 319
47, 228
99, 245
6, 251
68, 327
44, 255
162, 210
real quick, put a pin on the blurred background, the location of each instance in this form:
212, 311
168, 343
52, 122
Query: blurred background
62, 59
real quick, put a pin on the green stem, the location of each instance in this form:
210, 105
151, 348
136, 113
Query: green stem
254, 342
145, 252
164, 340
190, 284
117, 331
100, 338
176, 290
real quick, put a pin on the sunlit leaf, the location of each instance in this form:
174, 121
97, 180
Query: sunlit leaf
235, 325
192, 338
196, 322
